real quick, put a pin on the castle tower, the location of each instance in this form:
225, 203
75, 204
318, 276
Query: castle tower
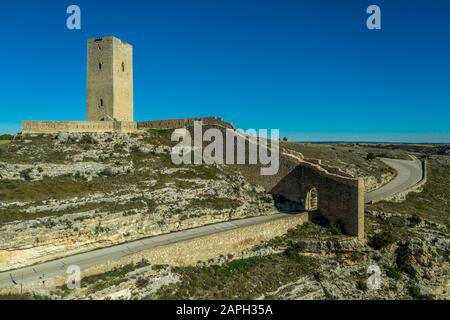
109, 80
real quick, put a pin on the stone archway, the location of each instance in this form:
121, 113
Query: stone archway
312, 199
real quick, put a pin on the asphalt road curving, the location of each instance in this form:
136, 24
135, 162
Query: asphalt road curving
409, 173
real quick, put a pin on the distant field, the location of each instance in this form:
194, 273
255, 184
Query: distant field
4, 141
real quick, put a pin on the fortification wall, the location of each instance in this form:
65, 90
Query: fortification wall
115, 126
183, 122
340, 198
50, 127
190, 252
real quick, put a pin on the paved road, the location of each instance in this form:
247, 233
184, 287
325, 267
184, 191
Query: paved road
84, 260
409, 172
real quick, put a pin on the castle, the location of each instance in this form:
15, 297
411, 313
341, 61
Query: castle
109, 98
109, 108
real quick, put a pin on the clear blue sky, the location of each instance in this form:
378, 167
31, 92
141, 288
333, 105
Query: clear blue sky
310, 68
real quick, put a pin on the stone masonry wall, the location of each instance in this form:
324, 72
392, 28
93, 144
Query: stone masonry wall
224, 243
190, 252
340, 198
99, 80
51, 127
184, 122
109, 94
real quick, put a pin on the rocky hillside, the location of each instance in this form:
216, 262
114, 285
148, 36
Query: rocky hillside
312, 261
70, 193
76, 192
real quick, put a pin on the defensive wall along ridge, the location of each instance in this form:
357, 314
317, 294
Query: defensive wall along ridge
320, 190
184, 123
54, 127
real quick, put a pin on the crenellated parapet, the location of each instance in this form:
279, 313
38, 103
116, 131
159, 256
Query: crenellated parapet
50, 127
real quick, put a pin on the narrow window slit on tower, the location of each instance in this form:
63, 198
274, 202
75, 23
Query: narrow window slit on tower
109, 71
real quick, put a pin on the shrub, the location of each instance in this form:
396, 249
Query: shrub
141, 282
393, 273
107, 172
361, 284
335, 229
370, 156
135, 149
239, 265
291, 253
25, 174
404, 259
78, 175
382, 239
415, 292
414, 220
23, 296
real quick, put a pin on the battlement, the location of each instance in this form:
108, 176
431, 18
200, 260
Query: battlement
51, 127
107, 38
183, 123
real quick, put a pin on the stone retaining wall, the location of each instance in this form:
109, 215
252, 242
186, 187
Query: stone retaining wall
228, 242
190, 252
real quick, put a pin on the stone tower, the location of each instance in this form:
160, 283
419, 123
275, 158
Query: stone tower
109, 80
